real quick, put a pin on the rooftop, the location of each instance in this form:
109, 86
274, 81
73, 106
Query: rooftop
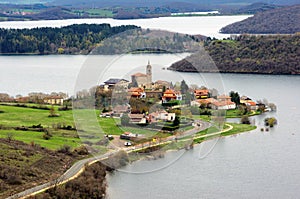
114, 81
139, 75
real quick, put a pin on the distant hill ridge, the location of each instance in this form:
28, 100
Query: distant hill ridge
255, 8
104, 3
284, 20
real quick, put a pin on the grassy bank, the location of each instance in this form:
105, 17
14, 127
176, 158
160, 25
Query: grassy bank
229, 129
238, 128
235, 113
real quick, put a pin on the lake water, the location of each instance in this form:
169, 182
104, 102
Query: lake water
250, 165
205, 25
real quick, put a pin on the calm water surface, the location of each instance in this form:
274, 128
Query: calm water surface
205, 25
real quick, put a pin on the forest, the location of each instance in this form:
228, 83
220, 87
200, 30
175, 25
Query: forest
278, 54
73, 39
276, 21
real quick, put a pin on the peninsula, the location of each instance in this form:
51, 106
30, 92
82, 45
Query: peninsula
145, 116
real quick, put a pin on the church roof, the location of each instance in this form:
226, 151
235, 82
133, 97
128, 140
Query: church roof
139, 75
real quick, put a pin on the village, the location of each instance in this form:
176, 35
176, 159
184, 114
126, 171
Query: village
158, 106
166, 107
142, 87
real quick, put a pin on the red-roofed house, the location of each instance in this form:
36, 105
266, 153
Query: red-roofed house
206, 102
201, 94
223, 105
137, 92
248, 102
171, 94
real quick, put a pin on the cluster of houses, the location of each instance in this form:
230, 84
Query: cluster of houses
141, 86
135, 118
221, 102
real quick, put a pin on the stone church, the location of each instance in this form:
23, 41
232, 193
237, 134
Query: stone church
143, 80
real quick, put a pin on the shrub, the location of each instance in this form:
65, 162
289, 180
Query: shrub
81, 150
125, 120
65, 108
66, 149
270, 121
10, 137
245, 119
14, 179
37, 126
46, 136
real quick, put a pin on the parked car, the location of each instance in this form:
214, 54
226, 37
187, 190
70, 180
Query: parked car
127, 144
110, 137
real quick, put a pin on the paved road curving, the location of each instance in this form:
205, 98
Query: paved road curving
79, 166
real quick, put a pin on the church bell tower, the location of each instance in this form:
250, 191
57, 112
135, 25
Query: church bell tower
149, 73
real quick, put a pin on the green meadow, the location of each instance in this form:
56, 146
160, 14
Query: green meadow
91, 127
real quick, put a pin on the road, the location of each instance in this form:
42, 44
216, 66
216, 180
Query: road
79, 166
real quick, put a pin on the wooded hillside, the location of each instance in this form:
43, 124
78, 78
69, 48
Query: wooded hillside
247, 54
284, 20
74, 39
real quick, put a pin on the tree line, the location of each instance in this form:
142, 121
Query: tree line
73, 39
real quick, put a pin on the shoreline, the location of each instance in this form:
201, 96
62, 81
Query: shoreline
91, 161
139, 18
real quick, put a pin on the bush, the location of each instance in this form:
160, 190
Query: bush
37, 126
81, 150
270, 121
125, 120
245, 119
66, 149
13, 179
65, 108
47, 135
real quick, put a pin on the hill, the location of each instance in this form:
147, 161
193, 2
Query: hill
73, 39
277, 21
24, 165
278, 54
24, 1
254, 8
140, 3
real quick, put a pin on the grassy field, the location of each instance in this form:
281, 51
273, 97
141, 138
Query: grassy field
202, 117
100, 12
93, 126
18, 116
235, 113
57, 140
